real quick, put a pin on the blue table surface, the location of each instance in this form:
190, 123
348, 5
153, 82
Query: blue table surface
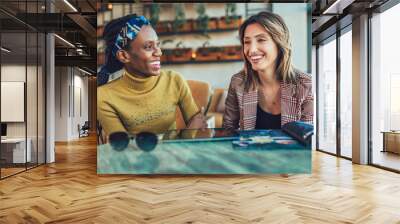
206, 157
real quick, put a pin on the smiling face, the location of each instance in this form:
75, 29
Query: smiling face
143, 56
259, 48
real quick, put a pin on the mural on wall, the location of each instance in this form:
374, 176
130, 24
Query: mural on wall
205, 90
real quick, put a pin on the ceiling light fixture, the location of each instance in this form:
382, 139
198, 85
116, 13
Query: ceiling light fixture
337, 7
333, 6
65, 41
86, 72
70, 5
5, 49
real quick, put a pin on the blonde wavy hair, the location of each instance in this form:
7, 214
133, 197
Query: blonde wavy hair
279, 32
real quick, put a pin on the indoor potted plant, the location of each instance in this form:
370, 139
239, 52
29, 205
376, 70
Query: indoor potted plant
180, 53
180, 24
160, 26
163, 27
100, 59
231, 52
213, 23
154, 14
201, 24
206, 53
166, 52
231, 20
100, 30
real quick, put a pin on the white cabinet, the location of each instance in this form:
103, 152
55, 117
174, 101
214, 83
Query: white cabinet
16, 146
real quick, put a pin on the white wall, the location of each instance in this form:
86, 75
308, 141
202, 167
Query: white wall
296, 19
70, 83
33, 126
12, 73
61, 103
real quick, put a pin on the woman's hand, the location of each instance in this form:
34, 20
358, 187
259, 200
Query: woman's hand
198, 121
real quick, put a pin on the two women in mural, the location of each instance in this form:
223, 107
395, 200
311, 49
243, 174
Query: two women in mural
268, 93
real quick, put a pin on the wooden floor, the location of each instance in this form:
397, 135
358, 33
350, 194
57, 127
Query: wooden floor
70, 191
10, 171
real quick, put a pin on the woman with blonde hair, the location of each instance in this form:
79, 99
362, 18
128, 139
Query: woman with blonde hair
269, 92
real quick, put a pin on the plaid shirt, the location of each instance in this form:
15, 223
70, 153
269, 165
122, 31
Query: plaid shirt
241, 107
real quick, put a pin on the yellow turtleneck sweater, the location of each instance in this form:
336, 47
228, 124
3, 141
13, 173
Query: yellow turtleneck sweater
134, 104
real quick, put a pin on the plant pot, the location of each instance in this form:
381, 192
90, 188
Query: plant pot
231, 53
213, 23
98, 6
166, 55
185, 27
163, 27
100, 59
100, 31
208, 54
233, 24
181, 54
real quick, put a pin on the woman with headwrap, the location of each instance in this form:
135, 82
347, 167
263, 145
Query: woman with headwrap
145, 97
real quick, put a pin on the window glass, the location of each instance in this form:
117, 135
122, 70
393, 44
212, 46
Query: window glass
327, 96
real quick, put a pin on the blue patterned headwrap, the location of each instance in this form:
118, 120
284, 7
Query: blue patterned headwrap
129, 32
117, 34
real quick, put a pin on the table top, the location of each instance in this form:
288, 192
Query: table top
13, 140
391, 132
207, 157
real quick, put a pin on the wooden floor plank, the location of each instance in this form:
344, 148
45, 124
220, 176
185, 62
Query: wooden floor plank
70, 191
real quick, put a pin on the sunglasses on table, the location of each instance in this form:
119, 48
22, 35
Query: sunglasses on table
146, 141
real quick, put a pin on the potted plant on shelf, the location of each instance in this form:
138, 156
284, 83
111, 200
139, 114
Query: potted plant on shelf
206, 53
100, 59
160, 26
180, 24
213, 23
163, 27
166, 53
154, 14
100, 30
231, 53
180, 53
231, 20
201, 23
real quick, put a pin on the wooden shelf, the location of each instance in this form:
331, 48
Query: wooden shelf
101, 28
198, 62
216, 26
197, 32
100, 61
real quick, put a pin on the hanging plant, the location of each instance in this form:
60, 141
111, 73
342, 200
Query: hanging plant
230, 12
202, 18
179, 17
154, 14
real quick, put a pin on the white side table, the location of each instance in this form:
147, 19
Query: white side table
18, 145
